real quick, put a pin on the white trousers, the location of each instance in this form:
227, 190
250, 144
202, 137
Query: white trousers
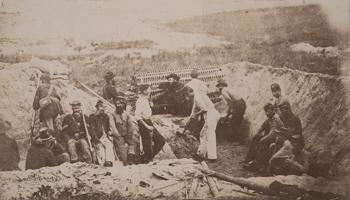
105, 151
207, 138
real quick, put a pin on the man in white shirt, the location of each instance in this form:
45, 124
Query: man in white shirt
202, 106
197, 85
149, 134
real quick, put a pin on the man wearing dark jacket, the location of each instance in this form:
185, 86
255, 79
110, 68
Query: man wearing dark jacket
40, 154
99, 130
109, 90
74, 132
9, 155
123, 131
289, 140
47, 101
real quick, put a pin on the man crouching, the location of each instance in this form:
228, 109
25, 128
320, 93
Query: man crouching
99, 130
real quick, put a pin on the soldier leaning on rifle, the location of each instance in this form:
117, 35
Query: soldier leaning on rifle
48, 101
44, 152
123, 131
237, 105
99, 130
148, 132
74, 132
9, 154
260, 152
289, 145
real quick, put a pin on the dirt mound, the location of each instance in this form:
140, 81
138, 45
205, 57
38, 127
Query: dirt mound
319, 101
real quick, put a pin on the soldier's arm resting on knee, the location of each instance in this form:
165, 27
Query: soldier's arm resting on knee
114, 131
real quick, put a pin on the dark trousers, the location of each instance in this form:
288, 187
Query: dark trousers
259, 152
148, 138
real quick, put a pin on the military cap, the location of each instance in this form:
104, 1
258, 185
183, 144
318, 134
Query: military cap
45, 76
221, 83
174, 76
268, 106
194, 73
99, 103
108, 75
275, 86
75, 103
285, 104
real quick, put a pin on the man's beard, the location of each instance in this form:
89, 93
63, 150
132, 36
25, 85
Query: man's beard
119, 109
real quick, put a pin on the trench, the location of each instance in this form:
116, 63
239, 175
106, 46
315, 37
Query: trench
319, 101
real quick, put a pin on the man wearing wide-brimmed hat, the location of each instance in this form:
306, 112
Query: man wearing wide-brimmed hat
236, 106
9, 155
40, 153
74, 130
46, 145
174, 96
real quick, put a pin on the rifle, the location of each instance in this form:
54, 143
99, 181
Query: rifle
33, 116
88, 136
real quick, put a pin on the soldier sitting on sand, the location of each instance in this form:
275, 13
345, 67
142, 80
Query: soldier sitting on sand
44, 153
74, 131
9, 155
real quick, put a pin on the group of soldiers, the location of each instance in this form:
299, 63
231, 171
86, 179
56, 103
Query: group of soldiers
99, 138
103, 137
278, 145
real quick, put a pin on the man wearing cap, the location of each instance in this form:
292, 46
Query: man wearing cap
40, 153
73, 129
9, 155
109, 90
99, 123
123, 131
290, 140
196, 84
278, 98
47, 101
174, 96
260, 152
148, 132
236, 104
204, 107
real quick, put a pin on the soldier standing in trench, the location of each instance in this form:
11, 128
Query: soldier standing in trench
123, 131
47, 101
148, 132
109, 90
278, 98
9, 154
237, 106
203, 107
